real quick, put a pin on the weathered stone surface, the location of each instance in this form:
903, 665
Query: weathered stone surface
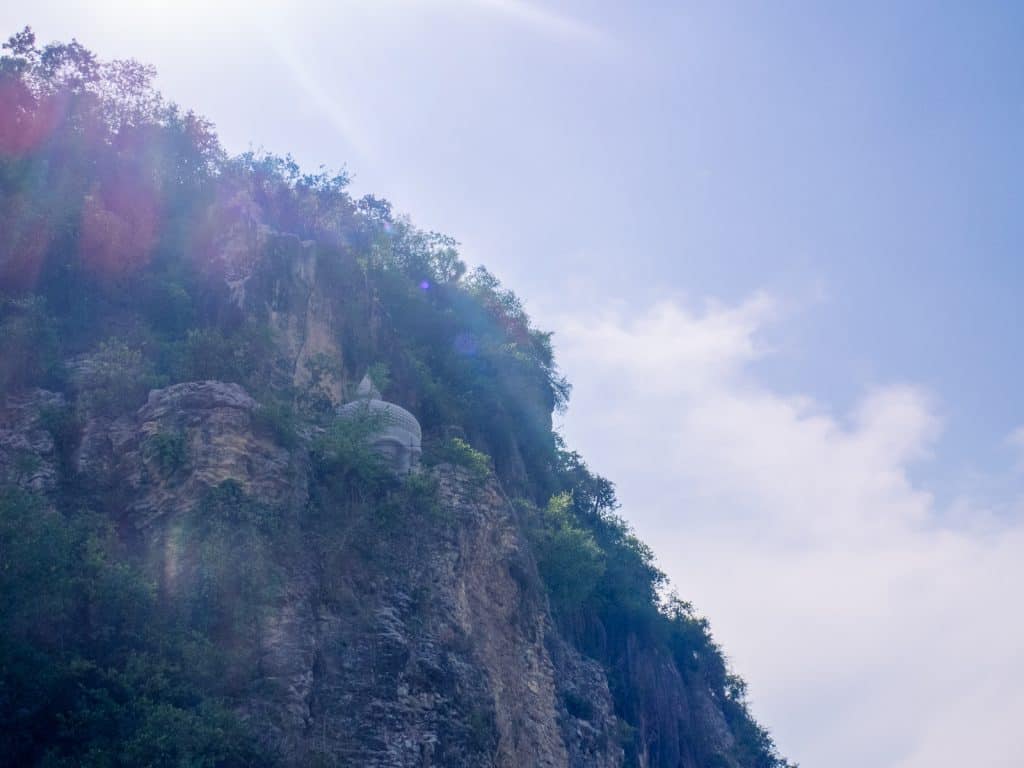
586, 710
504, 619
431, 652
28, 456
215, 421
103, 443
283, 288
678, 725
210, 425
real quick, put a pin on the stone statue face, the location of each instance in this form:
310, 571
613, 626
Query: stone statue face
399, 437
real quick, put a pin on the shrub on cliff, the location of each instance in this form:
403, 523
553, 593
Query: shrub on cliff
345, 459
568, 556
117, 378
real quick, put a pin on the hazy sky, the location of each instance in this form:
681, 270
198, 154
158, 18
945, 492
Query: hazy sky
781, 247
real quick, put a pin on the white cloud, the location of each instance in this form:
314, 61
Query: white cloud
694, 351
872, 631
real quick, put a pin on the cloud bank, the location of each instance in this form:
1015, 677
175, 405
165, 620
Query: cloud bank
872, 629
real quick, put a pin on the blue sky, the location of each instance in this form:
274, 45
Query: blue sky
780, 244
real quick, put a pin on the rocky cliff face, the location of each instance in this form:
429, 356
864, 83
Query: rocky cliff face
285, 289
372, 636
186, 440
200, 565
28, 456
382, 646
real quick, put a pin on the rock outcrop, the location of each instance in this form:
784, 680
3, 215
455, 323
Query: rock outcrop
28, 455
432, 653
399, 647
186, 439
284, 289
435, 648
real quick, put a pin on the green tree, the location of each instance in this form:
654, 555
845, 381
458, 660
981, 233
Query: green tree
569, 558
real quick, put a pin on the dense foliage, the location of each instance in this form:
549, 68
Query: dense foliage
113, 204
96, 669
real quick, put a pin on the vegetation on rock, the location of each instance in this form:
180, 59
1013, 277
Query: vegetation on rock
118, 274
